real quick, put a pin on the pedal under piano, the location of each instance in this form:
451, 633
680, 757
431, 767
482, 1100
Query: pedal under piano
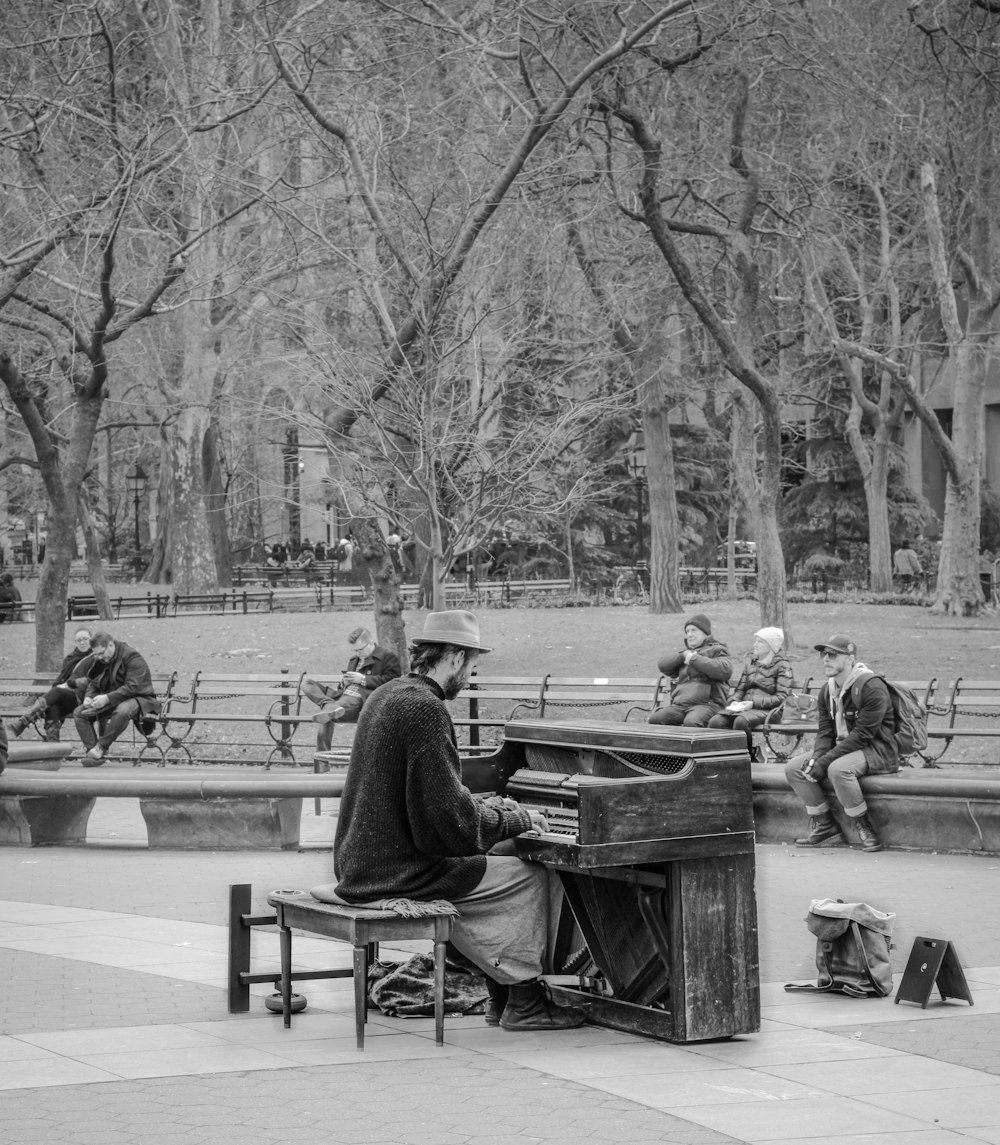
651, 832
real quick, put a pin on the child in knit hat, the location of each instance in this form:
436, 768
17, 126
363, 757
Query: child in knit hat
764, 685
700, 677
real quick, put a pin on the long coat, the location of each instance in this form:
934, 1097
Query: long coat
126, 677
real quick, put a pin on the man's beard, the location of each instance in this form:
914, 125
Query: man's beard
454, 684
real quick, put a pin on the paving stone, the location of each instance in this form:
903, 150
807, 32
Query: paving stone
966, 1039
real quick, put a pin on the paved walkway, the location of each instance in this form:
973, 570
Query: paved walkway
114, 1026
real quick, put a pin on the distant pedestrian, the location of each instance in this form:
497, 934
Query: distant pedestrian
906, 565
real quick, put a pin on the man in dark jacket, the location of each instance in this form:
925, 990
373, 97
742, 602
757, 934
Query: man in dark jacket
701, 677
369, 667
119, 689
409, 828
856, 736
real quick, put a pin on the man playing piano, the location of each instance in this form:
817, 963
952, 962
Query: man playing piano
408, 828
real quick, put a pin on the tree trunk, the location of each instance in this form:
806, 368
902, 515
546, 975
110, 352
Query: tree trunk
877, 499
95, 568
390, 627
53, 581
664, 525
192, 554
959, 590
215, 507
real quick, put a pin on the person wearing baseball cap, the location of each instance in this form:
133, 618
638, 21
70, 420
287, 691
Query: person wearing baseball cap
408, 828
856, 736
700, 674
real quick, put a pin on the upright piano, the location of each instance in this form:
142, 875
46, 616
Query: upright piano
650, 829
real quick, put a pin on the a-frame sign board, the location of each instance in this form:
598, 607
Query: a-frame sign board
933, 961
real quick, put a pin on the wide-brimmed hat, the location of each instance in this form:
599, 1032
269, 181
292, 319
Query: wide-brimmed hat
838, 643
456, 627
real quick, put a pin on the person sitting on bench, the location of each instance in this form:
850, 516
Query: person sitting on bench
369, 667
119, 690
59, 702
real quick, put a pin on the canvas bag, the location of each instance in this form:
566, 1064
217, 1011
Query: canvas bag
852, 949
798, 709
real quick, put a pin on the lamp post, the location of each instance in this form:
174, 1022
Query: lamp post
636, 458
136, 481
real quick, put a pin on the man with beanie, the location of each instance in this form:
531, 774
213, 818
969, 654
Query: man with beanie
701, 677
409, 828
857, 736
765, 684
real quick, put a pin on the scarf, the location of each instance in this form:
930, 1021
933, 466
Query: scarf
836, 695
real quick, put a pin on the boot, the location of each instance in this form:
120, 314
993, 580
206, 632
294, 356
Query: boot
529, 1007
866, 834
23, 722
822, 829
499, 994
52, 730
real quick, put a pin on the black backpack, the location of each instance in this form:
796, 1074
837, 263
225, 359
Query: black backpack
909, 713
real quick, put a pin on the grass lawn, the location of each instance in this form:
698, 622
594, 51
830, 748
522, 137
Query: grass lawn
902, 641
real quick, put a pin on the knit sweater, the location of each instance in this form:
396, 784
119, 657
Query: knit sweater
408, 827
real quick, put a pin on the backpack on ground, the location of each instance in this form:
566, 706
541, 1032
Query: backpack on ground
909, 714
852, 949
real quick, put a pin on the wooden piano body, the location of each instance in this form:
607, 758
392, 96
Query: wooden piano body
651, 832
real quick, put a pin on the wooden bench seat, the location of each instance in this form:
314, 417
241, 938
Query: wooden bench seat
492, 701
620, 697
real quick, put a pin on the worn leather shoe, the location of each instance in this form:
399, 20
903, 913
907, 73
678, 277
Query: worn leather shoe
866, 834
823, 829
497, 1002
529, 1007
94, 757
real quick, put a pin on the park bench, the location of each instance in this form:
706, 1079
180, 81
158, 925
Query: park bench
268, 701
617, 697
225, 600
17, 693
322, 572
85, 607
192, 810
492, 701
965, 700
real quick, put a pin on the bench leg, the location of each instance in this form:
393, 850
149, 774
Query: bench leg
361, 955
440, 947
239, 948
285, 944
